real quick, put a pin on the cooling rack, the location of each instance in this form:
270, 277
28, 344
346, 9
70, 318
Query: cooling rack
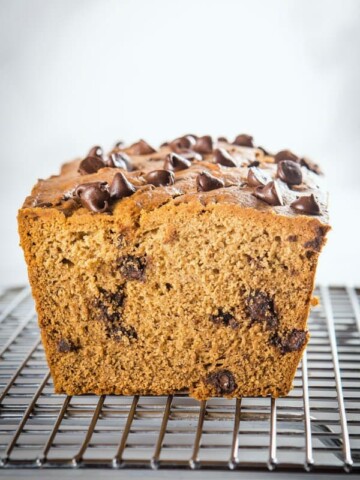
317, 427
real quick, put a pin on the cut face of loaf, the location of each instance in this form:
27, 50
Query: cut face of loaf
171, 289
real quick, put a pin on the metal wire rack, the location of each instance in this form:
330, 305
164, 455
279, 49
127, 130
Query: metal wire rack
317, 427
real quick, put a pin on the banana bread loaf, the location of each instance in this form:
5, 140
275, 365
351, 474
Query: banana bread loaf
184, 268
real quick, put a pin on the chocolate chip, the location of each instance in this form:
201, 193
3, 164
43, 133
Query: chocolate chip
94, 196
317, 242
66, 346
203, 144
115, 299
224, 318
244, 140
285, 155
223, 381
256, 177
223, 157
305, 162
306, 204
90, 165
140, 148
121, 187
254, 163
260, 308
119, 332
181, 143
289, 172
222, 139
175, 162
119, 144
292, 341
206, 182
160, 178
269, 193
95, 152
292, 238
119, 160
132, 267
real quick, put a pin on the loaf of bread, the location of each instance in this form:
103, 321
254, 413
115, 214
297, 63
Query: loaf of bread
184, 268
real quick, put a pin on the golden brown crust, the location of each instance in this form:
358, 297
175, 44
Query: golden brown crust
173, 289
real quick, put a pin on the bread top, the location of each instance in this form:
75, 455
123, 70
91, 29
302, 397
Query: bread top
187, 169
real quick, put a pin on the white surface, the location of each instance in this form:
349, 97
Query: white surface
74, 74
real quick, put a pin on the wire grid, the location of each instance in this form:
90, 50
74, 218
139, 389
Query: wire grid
317, 427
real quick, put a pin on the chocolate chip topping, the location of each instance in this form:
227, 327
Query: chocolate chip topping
175, 162
94, 196
90, 165
306, 204
66, 346
254, 163
244, 140
206, 182
160, 178
185, 142
140, 148
119, 160
95, 151
223, 381
121, 187
222, 139
224, 318
223, 157
260, 308
256, 177
132, 267
203, 144
289, 172
285, 155
269, 193
292, 341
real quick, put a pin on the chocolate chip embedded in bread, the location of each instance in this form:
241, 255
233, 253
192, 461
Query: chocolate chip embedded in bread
260, 308
175, 162
223, 381
121, 331
289, 172
306, 204
223, 157
203, 144
269, 193
94, 196
140, 148
224, 318
244, 140
160, 178
132, 267
66, 346
291, 341
285, 155
206, 182
90, 165
121, 187
256, 177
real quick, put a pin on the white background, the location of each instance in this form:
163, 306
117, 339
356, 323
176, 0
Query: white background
75, 73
